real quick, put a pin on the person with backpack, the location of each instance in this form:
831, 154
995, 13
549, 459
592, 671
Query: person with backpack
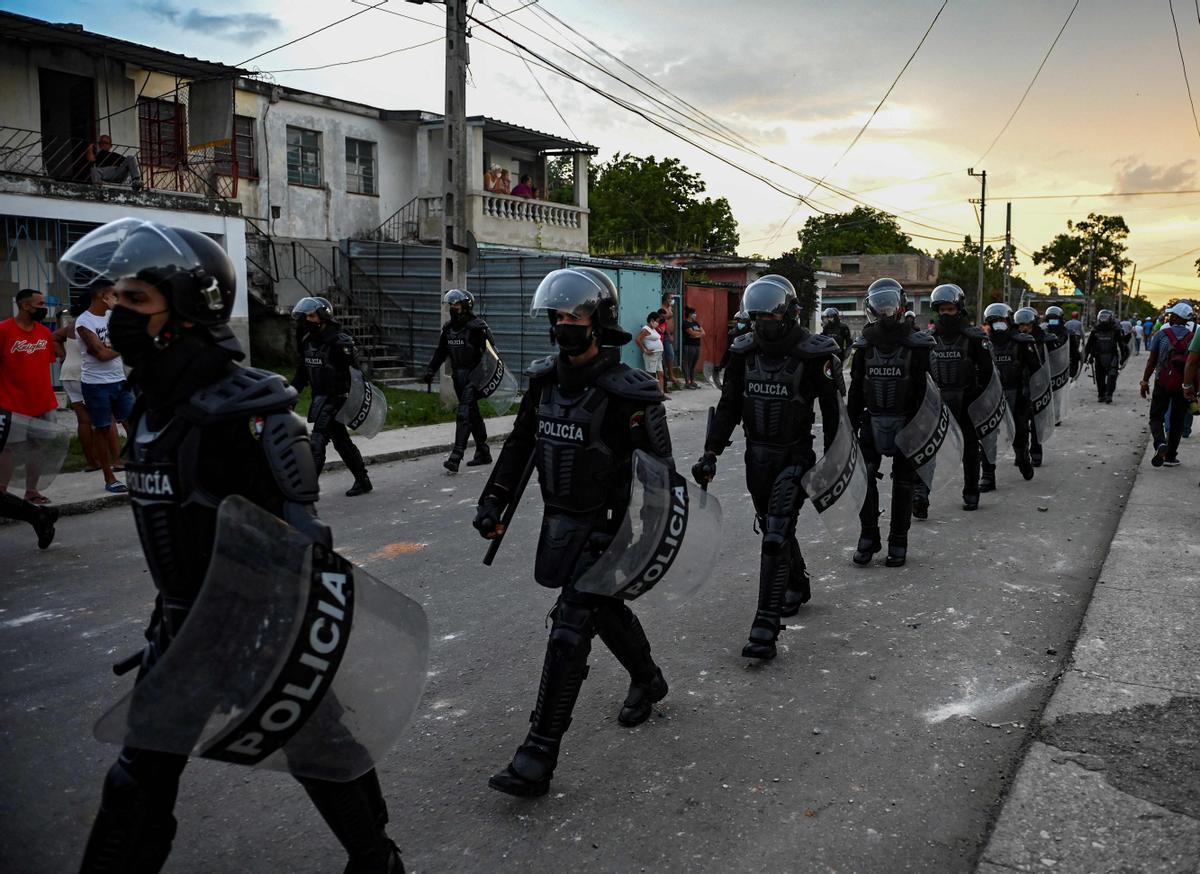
1168, 356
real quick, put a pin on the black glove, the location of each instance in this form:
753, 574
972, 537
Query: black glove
705, 470
487, 517
428, 377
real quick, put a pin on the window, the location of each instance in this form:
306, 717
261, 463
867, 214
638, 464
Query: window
243, 146
303, 156
849, 267
162, 125
360, 167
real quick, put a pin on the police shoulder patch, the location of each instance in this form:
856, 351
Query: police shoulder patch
827, 369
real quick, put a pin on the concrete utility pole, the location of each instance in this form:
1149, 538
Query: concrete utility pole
1007, 253
1089, 302
982, 174
1120, 300
454, 157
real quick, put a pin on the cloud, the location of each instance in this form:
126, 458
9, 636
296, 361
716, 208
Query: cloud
1133, 175
241, 27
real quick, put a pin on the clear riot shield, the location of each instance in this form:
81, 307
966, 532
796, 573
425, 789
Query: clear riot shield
988, 413
365, 409
670, 527
32, 451
711, 375
932, 431
1041, 403
1060, 380
496, 385
291, 659
837, 484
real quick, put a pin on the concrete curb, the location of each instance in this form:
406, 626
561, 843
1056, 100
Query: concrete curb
1073, 805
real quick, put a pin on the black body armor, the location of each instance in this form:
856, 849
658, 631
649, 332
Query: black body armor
950, 363
578, 473
889, 383
1104, 345
775, 409
1006, 354
464, 354
327, 358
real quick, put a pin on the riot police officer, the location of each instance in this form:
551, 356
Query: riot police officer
832, 326
1026, 321
584, 415
326, 356
961, 365
42, 519
887, 385
1016, 358
463, 341
203, 429
775, 375
910, 319
1107, 352
1056, 325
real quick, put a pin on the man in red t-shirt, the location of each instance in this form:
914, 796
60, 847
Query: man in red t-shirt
26, 353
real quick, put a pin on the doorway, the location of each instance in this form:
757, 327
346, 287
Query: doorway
68, 123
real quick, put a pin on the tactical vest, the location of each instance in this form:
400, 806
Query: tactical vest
775, 410
463, 355
889, 380
1006, 355
323, 375
176, 521
950, 363
1104, 344
577, 471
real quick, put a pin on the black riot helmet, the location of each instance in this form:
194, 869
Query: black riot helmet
319, 305
1025, 316
1054, 312
459, 296
998, 316
770, 295
831, 316
1105, 317
191, 270
582, 291
948, 293
885, 300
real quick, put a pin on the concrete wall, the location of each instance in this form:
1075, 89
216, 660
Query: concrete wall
905, 269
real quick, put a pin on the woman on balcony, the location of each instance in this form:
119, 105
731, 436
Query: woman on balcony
524, 187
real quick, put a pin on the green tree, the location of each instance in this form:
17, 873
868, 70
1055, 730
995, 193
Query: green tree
642, 204
1198, 266
1101, 236
862, 231
961, 267
800, 273
560, 179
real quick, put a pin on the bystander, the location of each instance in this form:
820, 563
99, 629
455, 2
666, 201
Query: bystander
26, 353
693, 339
70, 375
649, 340
105, 165
523, 188
102, 379
668, 337
1168, 357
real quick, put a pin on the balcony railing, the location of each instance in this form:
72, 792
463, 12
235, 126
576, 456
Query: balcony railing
523, 209
204, 172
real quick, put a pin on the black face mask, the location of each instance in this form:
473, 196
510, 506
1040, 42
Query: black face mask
127, 333
948, 323
458, 317
771, 332
39, 315
573, 339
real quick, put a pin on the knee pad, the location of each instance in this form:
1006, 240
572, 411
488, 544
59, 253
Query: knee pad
572, 630
777, 534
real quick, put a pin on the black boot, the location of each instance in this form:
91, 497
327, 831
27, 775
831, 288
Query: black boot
971, 499
134, 827
455, 457
987, 479
799, 589
920, 506
356, 814
1025, 464
563, 673
44, 526
483, 455
868, 545
1035, 456
623, 634
362, 485
897, 552
772, 581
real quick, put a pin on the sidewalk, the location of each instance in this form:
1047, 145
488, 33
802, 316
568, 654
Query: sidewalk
1111, 782
74, 493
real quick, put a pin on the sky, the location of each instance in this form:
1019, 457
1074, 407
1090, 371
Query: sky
794, 81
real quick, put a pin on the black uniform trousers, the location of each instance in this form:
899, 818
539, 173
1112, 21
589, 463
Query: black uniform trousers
773, 475
1018, 404
903, 477
1106, 370
327, 429
470, 421
1169, 409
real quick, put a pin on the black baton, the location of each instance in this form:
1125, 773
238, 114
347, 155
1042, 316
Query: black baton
509, 512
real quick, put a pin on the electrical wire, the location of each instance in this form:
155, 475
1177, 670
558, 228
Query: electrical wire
549, 99
436, 39
1104, 194
313, 33
1183, 64
1028, 87
1169, 260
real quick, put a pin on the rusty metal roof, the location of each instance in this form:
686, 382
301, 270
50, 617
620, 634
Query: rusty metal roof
21, 28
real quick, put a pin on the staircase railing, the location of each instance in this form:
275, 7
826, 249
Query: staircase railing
382, 310
259, 236
403, 224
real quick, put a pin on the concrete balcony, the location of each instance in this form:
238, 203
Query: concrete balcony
514, 222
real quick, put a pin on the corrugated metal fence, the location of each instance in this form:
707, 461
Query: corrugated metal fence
503, 283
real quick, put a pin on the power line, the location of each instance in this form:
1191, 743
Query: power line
549, 99
1169, 260
1097, 194
418, 45
1183, 64
1029, 87
313, 33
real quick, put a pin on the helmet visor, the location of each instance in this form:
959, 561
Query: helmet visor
1025, 316
567, 291
127, 248
768, 296
886, 302
309, 305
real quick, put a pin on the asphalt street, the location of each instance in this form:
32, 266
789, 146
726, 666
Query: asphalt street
881, 739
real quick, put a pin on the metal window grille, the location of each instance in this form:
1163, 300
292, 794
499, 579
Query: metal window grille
162, 125
244, 147
303, 156
360, 167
